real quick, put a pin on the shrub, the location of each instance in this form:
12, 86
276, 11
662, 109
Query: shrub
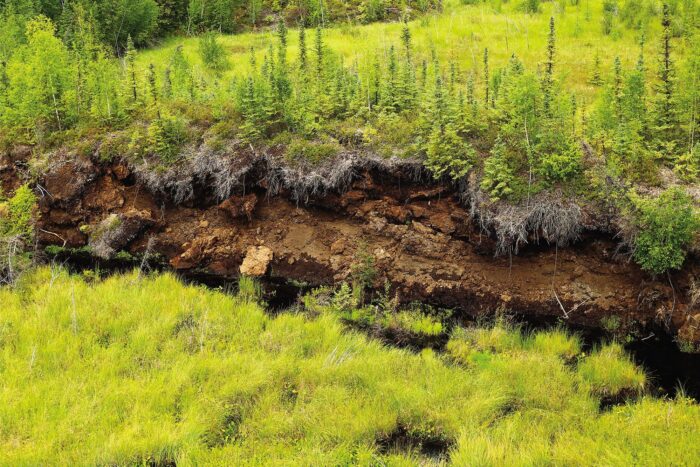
166, 136
667, 224
17, 214
447, 154
499, 177
561, 166
16, 232
363, 269
212, 52
530, 6
611, 323
687, 166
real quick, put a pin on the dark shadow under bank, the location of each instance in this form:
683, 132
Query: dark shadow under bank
668, 369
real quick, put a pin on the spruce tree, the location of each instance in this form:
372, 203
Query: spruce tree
376, 82
617, 88
391, 94
406, 40
641, 66
407, 84
151, 80
282, 37
130, 65
318, 47
471, 98
302, 47
665, 109
596, 79
282, 86
548, 79
486, 77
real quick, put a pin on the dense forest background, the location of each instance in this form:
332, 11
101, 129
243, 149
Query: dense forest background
148, 20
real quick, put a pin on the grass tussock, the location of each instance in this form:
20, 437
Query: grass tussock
133, 370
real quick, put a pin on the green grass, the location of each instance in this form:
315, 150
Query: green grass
461, 33
609, 372
132, 370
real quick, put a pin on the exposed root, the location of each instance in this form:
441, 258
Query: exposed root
223, 174
219, 173
546, 217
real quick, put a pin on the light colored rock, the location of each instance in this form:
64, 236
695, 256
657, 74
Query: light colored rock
256, 261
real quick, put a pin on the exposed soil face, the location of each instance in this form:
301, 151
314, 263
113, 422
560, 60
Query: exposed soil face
421, 237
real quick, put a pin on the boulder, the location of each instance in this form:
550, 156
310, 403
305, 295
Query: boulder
256, 261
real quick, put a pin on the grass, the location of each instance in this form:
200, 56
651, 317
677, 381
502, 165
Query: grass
460, 33
609, 372
145, 370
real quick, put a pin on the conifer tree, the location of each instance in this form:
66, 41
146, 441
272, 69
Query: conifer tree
641, 66
407, 85
574, 109
548, 79
151, 80
471, 98
318, 47
617, 88
376, 82
130, 66
282, 84
391, 94
486, 77
406, 40
302, 48
665, 109
282, 37
167, 90
596, 79
250, 109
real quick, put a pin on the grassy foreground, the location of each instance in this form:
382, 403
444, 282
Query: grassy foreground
134, 370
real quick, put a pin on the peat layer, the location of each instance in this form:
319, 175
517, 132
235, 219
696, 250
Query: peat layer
421, 236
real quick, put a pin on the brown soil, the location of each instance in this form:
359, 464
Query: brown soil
422, 240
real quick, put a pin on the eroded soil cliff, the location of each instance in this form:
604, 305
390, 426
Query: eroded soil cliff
421, 238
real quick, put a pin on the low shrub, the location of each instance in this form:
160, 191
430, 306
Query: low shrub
667, 224
17, 215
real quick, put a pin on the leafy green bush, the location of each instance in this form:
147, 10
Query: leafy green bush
667, 224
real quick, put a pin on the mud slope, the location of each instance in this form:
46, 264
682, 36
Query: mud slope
422, 241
